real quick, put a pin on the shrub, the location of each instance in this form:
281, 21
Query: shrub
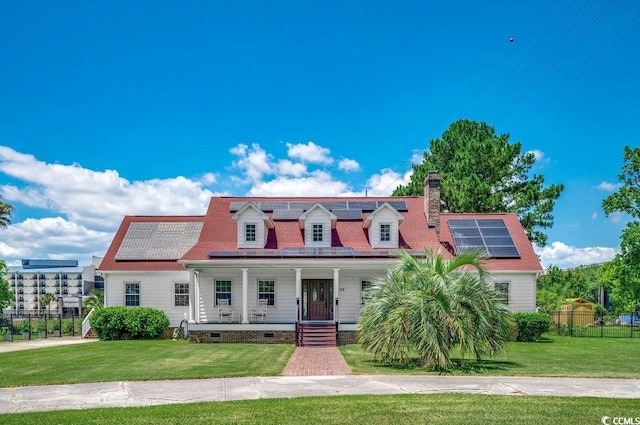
531, 325
24, 326
112, 323
67, 326
53, 325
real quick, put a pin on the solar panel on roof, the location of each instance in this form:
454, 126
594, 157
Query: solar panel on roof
331, 205
398, 205
272, 205
158, 240
489, 235
236, 205
363, 205
301, 205
348, 214
287, 214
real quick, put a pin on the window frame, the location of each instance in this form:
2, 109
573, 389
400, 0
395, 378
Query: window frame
247, 233
317, 232
506, 294
365, 285
127, 294
386, 233
216, 292
176, 294
270, 295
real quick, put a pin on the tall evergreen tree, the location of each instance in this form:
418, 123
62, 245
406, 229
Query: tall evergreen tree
483, 172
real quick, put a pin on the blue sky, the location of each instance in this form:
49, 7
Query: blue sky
151, 107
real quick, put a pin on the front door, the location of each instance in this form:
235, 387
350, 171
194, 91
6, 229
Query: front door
319, 299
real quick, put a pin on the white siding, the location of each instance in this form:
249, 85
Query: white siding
522, 290
156, 291
384, 216
317, 216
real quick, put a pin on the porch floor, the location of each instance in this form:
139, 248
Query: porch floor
313, 361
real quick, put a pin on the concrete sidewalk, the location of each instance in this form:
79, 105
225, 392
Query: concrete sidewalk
7, 347
146, 393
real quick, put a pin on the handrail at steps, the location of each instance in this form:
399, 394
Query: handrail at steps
86, 326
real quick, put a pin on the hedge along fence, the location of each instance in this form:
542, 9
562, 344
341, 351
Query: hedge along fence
113, 323
531, 325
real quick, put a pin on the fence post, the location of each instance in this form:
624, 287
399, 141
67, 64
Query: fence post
631, 316
571, 324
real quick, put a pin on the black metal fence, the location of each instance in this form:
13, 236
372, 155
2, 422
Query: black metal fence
29, 326
584, 323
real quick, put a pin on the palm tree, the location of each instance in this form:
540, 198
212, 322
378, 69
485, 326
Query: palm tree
5, 213
94, 300
426, 307
46, 300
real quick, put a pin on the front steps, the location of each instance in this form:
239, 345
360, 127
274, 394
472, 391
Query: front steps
317, 334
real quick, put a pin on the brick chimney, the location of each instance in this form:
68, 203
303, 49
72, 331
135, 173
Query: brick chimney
432, 200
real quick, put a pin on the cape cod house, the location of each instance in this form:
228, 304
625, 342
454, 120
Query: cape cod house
280, 269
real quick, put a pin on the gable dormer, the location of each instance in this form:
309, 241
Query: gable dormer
253, 226
317, 223
383, 225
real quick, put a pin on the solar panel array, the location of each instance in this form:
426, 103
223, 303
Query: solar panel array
490, 236
307, 252
344, 210
158, 240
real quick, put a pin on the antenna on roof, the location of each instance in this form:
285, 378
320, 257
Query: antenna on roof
366, 193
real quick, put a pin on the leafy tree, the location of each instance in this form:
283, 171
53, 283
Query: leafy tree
426, 307
483, 172
556, 285
6, 295
5, 213
627, 200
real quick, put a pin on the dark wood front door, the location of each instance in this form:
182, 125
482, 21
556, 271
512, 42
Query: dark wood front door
319, 299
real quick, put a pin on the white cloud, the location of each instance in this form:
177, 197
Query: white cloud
565, 256
417, 157
538, 154
384, 183
609, 187
96, 199
288, 168
319, 183
594, 216
310, 153
346, 164
209, 178
616, 217
52, 237
254, 162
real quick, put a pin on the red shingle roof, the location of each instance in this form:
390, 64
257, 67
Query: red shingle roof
219, 234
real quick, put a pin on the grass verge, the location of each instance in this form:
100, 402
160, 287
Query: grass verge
552, 356
140, 360
432, 409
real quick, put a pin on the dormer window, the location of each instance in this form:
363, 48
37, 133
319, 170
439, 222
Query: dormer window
250, 232
253, 226
317, 232
385, 232
383, 226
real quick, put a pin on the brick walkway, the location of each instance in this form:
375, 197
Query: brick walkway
310, 361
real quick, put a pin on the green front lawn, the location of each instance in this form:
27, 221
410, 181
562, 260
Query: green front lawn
434, 409
556, 356
140, 360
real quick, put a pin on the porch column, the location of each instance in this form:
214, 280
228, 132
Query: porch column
245, 295
298, 293
336, 293
196, 296
192, 279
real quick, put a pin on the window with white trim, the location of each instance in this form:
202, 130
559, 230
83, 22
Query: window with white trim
267, 290
250, 232
223, 291
385, 232
365, 285
502, 288
181, 295
132, 294
317, 232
